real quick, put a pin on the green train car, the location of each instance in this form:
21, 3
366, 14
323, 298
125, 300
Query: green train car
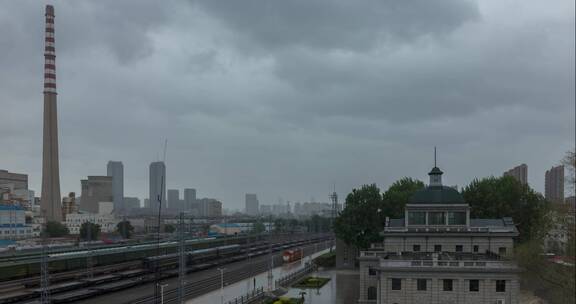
16, 268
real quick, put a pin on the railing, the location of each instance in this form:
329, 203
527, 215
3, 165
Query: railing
447, 264
290, 278
448, 229
250, 297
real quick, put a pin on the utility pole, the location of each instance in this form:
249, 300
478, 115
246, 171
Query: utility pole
44, 275
221, 285
158, 290
89, 257
271, 257
182, 262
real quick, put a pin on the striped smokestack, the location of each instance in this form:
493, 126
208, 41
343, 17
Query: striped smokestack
50, 202
49, 53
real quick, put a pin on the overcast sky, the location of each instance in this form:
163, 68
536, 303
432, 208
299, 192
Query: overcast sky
285, 98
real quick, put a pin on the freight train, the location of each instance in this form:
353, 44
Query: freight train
27, 266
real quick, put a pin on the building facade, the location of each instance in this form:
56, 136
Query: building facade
107, 222
174, 199
131, 203
69, 205
520, 173
554, 185
189, 198
437, 254
157, 188
251, 204
18, 180
115, 169
13, 223
95, 189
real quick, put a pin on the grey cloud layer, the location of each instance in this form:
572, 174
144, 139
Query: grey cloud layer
283, 98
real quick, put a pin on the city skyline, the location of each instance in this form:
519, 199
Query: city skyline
246, 137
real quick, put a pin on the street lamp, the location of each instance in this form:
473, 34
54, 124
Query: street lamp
221, 284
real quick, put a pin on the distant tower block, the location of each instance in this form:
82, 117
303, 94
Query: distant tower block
50, 202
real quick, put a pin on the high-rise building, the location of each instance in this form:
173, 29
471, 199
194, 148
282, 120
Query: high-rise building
520, 173
252, 206
131, 203
207, 207
189, 198
554, 185
50, 202
115, 169
157, 185
19, 181
95, 189
174, 199
69, 205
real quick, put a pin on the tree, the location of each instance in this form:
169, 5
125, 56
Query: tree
125, 229
569, 162
361, 221
56, 229
396, 197
89, 231
497, 197
258, 228
169, 228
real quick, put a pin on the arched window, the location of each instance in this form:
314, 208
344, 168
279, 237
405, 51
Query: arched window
372, 293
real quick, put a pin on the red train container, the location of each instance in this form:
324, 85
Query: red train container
290, 256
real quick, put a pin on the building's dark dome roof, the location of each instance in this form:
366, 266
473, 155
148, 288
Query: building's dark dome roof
436, 170
437, 195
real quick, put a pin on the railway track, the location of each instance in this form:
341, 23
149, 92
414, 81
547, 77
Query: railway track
59, 277
195, 289
85, 288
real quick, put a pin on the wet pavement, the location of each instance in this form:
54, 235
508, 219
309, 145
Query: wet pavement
343, 288
243, 287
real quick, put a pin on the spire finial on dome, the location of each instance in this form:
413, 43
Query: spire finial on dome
434, 156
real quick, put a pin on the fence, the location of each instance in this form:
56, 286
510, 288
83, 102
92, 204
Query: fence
290, 278
250, 297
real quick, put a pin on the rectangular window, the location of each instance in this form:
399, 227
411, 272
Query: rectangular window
457, 218
500, 286
396, 284
436, 218
502, 251
416, 218
447, 285
415, 248
421, 284
474, 285
459, 248
371, 271
437, 248
476, 248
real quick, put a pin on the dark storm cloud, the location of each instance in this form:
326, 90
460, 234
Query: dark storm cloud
283, 98
339, 24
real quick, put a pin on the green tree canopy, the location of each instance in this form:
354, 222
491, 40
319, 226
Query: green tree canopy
361, 221
56, 229
258, 228
89, 231
396, 197
125, 229
169, 228
497, 197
